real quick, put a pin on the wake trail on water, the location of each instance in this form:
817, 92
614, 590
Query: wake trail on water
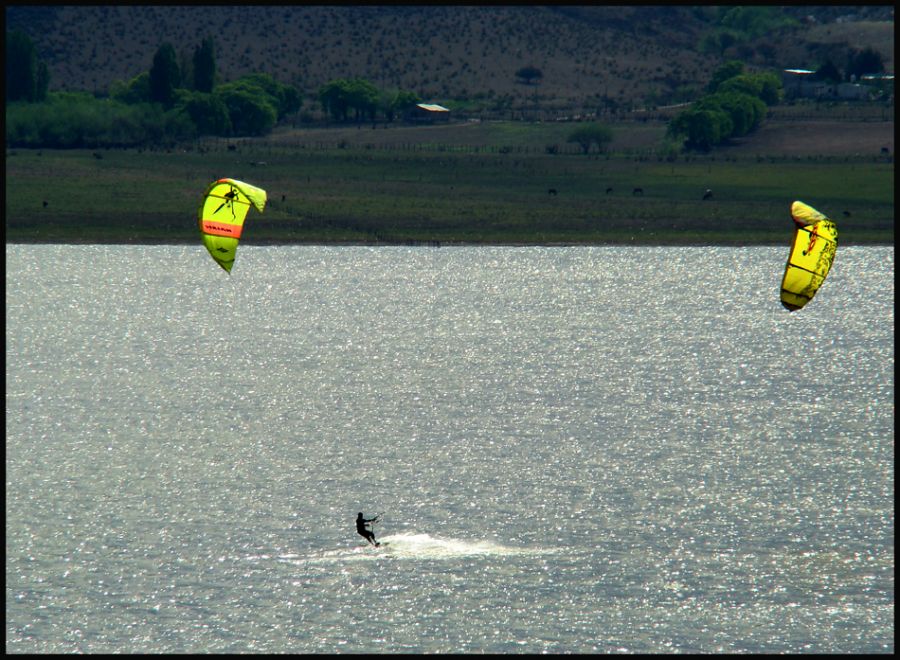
416, 547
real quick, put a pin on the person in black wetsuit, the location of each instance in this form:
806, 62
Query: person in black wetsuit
366, 533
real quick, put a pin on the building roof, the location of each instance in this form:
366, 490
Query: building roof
432, 107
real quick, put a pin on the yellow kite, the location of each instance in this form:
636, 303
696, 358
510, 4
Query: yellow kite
225, 205
815, 243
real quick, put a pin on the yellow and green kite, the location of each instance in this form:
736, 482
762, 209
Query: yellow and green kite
815, 244
222, 213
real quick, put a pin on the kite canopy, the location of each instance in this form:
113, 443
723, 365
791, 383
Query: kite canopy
222, 213
815, 244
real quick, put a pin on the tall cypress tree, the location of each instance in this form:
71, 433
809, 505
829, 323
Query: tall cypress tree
26, 78
165, 76
205, 66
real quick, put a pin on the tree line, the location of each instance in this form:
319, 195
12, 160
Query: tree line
356, 99
734, 105
169, 103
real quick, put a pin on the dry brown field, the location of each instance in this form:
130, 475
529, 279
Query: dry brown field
818, 138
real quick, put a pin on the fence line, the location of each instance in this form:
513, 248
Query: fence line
273, 148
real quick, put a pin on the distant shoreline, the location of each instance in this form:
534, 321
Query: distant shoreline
429, 196
672, 242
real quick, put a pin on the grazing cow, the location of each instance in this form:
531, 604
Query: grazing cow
232, 147
552, 191
98, 155
707, 194
846, 214
608, 190
637, 191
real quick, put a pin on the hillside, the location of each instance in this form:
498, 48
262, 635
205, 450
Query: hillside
590, 57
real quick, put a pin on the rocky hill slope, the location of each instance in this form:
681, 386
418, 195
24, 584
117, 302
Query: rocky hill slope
616, 57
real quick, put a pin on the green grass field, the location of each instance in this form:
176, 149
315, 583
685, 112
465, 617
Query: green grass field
493, 189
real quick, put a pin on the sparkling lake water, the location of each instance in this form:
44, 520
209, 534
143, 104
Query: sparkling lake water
576, 450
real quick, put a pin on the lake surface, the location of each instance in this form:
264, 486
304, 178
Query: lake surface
574, 449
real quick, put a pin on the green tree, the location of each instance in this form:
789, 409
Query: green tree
591, 134
828, 72
771, 89
339, 97
701, 128
736, 107
41, 81
27, 79
861, 62
745, 111
727, 70
333, 97
742, 84
205, 66
165, 76
186, 70
284, 98
395, 102
362, 98
250, 112
208, 112
765, 86
136, 90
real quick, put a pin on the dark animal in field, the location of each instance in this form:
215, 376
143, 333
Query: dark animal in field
552, 191
45, 203
98, 155
232, 147
707, 194
608, 190
847, 214
885, 151
282, 198
637, 191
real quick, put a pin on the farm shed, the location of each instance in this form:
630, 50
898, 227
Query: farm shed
802, 83
799, 82
428, 112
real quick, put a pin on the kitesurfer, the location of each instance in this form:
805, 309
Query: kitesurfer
366, 533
